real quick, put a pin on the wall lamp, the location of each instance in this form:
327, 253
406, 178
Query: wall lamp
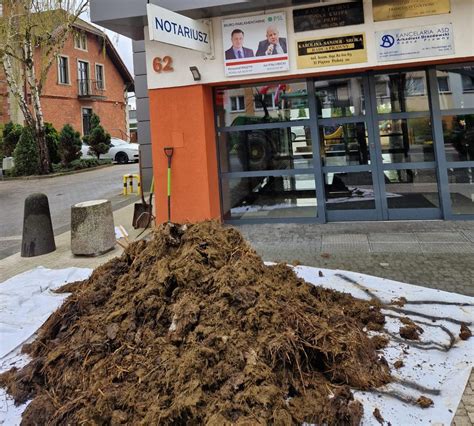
195, 72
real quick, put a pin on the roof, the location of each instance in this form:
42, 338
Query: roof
110, 50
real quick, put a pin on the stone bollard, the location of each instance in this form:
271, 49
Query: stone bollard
92, 228
38, 235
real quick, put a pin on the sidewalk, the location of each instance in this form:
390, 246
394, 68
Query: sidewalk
62, 257
434, 254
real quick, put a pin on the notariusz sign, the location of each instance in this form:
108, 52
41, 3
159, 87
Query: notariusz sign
172, 28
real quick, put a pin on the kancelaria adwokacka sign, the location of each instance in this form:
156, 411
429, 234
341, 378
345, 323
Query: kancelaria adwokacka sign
328, 16
332, 51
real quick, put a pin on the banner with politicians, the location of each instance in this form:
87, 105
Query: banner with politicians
255, 44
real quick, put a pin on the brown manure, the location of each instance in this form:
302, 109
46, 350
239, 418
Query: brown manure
192, 328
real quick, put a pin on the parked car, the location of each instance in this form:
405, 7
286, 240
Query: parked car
120, 151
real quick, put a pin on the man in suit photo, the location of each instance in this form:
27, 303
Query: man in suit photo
273, 45
238, 51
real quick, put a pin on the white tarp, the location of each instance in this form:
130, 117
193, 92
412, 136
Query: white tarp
27, 301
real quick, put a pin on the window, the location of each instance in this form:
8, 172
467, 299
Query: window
80, 41
86, 120
467, 83
443, 84
237, 103
63, 70
99, 77
268, 100
415, 86
83, 78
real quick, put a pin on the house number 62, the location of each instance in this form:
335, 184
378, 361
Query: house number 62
163, 64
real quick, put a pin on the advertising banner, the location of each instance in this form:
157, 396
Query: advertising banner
172, 28
386, 10
328, 16
332, 51
413, 43
255, 44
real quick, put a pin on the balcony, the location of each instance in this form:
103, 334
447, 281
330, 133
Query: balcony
90, 89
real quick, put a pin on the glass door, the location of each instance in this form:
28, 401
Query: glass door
348, 152
404, 139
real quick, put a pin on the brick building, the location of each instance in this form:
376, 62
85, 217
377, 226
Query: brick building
89, 77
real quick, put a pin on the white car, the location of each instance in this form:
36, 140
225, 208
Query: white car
120, 151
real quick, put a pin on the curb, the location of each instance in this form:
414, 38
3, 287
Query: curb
53, 175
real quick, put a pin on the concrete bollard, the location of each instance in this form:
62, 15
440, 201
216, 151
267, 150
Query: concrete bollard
92, 228
38, 235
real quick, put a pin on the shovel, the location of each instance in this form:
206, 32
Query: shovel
142, 212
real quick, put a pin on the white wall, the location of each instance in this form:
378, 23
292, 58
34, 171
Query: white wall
212, 69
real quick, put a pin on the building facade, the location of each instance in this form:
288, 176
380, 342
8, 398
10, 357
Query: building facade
360, 110
88, 77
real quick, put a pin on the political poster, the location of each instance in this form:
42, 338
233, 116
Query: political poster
331, 51
255, 44
414, 43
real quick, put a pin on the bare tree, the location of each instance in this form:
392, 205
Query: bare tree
32, 34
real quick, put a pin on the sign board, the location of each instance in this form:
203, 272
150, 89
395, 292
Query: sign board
172, 28
329, 16
255, 44
386, 10
416, 42
331, 51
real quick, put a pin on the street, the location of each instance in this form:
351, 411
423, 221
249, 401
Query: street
62, 192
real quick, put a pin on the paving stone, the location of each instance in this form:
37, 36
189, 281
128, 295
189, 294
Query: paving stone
381, 237
469, 235
348, 247
395, 247
441, 237
345, 239
461, 248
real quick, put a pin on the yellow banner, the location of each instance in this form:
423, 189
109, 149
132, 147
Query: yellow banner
331, 51
386, 10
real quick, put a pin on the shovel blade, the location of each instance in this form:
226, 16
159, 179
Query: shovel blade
141, 215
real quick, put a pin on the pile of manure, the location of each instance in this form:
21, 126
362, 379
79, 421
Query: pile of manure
192, 327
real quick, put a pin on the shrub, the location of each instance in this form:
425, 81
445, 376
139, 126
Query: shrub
69, 144
98, 139
26, 154
82, 163
10, 137
52, 142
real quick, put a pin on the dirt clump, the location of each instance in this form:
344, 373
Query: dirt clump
378, 416
424, 402
465, 332
410, 331
192, 328
398, 364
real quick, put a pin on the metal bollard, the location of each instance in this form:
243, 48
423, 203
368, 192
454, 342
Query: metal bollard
128, 184
38, 235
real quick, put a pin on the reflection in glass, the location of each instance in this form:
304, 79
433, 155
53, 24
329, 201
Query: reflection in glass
458, 132
344, 144
269, 197
401, 92
341, 97
461, 189
349, 191
261, 104
411, 189
405, 141
456, 87
269, 149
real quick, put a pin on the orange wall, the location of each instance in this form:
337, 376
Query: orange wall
183, 118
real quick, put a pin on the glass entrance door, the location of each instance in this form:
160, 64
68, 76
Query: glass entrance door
408, 176
348, 153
